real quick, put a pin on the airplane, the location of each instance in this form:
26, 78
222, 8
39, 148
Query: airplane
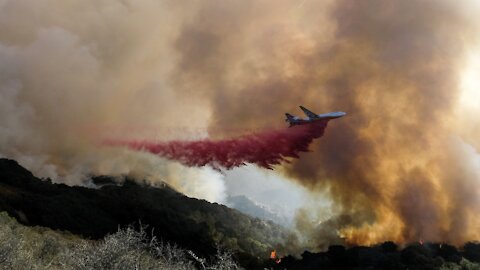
311, 117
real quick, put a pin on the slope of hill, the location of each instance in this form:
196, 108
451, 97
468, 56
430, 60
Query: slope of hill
23, 247
193, 224
251, 208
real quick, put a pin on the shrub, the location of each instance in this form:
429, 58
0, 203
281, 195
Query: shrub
24, 247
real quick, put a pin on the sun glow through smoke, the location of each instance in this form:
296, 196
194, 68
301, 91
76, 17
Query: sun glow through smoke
468, 105
470, 84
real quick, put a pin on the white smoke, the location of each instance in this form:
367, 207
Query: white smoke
75, 73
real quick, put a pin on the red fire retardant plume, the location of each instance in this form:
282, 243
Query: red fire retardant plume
264, 149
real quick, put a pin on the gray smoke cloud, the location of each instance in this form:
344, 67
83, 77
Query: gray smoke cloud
73, 74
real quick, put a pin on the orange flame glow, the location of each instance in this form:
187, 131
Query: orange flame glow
273, 255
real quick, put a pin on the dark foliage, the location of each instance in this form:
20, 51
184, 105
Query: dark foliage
472, 251
386, 256
193, 224
198, 225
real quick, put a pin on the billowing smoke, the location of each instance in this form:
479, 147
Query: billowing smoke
403, 166
265, 149
397, 168
74, 73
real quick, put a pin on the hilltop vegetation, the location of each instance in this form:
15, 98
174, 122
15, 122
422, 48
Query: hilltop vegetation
130, 226
193, 224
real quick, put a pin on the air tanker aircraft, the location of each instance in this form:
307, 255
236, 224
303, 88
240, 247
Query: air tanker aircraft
311, 117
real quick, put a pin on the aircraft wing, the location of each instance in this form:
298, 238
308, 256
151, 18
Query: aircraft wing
308, 113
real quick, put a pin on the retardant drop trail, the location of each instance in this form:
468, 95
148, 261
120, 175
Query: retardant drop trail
264, 149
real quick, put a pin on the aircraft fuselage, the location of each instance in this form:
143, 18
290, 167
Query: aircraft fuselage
312, 117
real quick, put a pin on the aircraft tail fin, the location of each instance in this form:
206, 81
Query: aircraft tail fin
292, 120
290, 117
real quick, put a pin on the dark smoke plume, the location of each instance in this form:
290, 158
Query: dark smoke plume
265, 149
397, 167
